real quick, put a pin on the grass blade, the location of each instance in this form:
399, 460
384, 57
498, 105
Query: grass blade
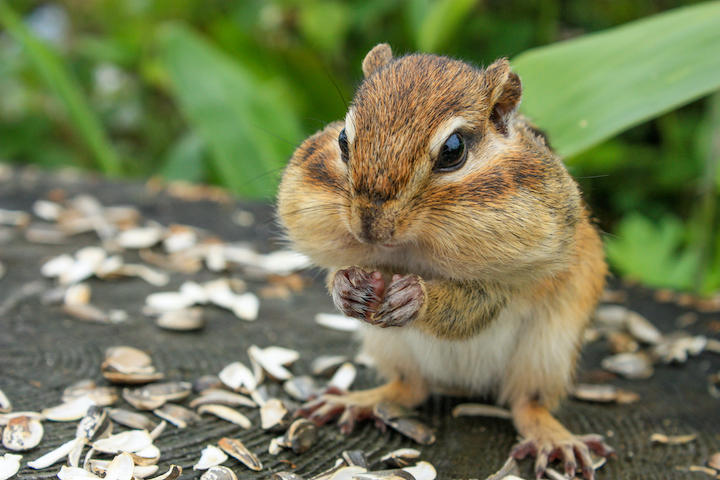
249, 127
585, 90
55, 74
440, 22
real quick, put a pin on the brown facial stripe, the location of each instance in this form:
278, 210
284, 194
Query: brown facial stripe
317, 156
382, 172
483, 188
506, 177
318, 174
376, 186
307, 152
528, 173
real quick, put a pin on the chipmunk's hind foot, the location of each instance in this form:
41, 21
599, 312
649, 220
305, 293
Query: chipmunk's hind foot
573, 452
350, 408
547, 440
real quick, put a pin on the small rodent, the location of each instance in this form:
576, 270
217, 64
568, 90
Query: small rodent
443, 215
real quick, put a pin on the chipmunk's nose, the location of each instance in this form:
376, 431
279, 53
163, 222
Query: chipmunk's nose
372, 223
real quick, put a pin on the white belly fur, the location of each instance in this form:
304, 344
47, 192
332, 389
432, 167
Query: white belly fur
476, 365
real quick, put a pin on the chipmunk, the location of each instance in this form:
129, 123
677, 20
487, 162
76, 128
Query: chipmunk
452, 230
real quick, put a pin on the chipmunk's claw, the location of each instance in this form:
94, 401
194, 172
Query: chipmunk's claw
574, 452
358, 293
402, 302
596, 443
362, 295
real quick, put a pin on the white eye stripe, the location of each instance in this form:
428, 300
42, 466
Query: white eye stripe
443, 132
350, 126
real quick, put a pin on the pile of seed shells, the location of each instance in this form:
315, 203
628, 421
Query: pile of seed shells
98, 450
637, 345
130, 373
161, 250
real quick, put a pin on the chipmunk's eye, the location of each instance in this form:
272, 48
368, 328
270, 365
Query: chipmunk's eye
452, 154
343, 143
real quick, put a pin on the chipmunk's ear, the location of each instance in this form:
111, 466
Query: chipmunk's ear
504, 92
380, 55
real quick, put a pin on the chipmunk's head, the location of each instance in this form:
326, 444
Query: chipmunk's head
417, 124
431, 170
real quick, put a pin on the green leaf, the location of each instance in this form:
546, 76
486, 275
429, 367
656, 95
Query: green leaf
435, 23
57, 76
712, 279
585, 90
651, 253
185, 160
325, 24
248, 125
703, 229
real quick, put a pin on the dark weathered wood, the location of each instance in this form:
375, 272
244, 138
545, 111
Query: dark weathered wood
42, 351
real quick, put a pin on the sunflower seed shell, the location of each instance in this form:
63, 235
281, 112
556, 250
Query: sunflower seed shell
22, 433
130, 419
219, 473
211, 456
9, 465
226, 413
236, 449
56, 455
179, 416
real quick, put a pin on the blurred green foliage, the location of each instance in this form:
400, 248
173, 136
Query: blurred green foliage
143, 87
585, 90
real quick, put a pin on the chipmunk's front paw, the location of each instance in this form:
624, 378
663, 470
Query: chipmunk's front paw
358, 293
572, 450
403, 300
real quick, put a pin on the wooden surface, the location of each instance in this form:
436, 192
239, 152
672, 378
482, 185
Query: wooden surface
42, 351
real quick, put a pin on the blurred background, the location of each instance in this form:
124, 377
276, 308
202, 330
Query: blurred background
174, 89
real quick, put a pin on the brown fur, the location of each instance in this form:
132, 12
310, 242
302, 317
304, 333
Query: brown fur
459, 310
507, 229
401, 391
376, 58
